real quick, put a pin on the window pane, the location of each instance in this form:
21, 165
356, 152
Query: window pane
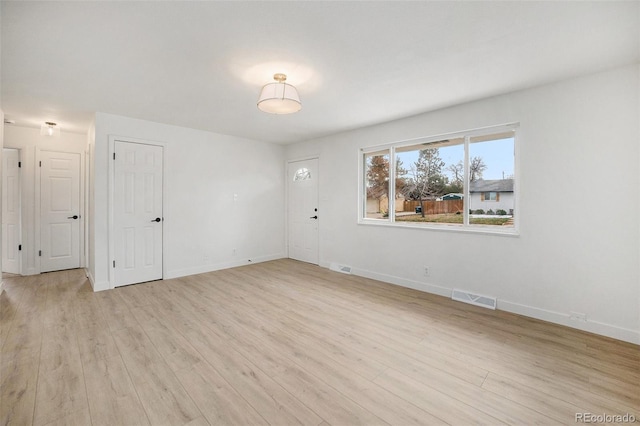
302, 174
491, 189
376, 177
429, 182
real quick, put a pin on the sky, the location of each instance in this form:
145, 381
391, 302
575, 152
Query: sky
497, 155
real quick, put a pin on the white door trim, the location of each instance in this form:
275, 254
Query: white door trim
38, 212
111, 192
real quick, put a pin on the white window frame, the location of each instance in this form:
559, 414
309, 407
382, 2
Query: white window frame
467, 135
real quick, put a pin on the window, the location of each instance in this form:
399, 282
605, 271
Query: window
302, 174
376, 188
459, 181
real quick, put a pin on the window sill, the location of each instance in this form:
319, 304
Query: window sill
477, 229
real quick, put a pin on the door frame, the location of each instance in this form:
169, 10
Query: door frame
111, 178
286, 200
20, 230
38, 215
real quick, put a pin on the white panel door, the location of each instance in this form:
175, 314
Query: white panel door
303, 216
59, 211
137, 213
10, 211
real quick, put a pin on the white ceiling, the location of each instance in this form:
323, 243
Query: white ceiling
201, 64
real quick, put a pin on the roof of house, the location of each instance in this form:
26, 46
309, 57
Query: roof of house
497, 185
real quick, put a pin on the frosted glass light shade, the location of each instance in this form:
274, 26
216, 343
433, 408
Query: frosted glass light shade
279, 98
49, 129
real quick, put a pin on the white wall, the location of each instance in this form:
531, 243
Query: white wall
1, 146
579, 190
28, 140
204, 228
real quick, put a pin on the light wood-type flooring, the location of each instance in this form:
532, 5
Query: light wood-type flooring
285, 342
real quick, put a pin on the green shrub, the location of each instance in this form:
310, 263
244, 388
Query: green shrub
479, 211
501, 212
490, 211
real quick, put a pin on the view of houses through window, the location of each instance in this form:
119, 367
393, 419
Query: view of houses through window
466, 180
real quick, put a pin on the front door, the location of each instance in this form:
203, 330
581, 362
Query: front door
11, 211
303, 211
137, 213
59, 211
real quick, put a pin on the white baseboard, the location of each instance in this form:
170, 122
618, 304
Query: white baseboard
221, 265
608, 330
596, 327
96, 286
403, 282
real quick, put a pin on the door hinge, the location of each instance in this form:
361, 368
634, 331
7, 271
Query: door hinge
114, 263
39, 163
19, 164
114, 155
39, 252
19, 247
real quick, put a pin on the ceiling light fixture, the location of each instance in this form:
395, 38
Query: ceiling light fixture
49, 129
279, 97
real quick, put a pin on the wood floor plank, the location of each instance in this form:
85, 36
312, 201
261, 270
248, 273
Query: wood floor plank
18, 381
163, 397
112, 397
273, 402
9, 302
220, 403
449, 409
76, 418
325, 400
96, 343
376, 399
559, 410
61, 389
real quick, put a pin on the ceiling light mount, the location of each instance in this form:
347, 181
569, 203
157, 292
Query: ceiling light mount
279, 97
279, 77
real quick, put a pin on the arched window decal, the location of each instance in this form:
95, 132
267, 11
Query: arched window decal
302, 174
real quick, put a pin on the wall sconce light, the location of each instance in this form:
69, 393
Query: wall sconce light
279, 97
49, 129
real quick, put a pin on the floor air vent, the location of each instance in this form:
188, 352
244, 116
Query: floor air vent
474, 299
340, 268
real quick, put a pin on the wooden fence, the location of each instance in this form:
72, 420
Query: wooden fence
435, 207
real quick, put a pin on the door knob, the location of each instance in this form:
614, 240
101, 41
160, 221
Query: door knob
75, 216
157, 219
314, 217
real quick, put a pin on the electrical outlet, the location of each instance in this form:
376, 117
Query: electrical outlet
426, 271
578, 316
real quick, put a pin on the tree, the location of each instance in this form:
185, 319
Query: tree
401, 180
457, 173
476, 168
427, 180
455, 184
378, 176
